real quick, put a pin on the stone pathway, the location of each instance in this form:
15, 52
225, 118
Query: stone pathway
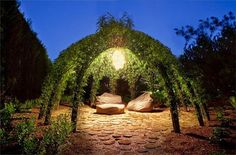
129, 133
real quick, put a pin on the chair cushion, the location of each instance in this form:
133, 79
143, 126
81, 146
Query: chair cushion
110, 108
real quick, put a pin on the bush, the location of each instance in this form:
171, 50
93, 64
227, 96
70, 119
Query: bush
6, 114
25, 137
218, 135
24, 129
217, 153
30, 145
56, 134
28, 104
232, 100
66, 99
158, 96
3, 136
225, 122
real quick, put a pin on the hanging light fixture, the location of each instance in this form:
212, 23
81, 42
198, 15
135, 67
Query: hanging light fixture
118, 59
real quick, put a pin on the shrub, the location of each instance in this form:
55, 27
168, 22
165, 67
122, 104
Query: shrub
56, 134
6, 114
3, 136
66, 99
158, 96
232, 100
25, 137
30, 145
1, 133
218, 135
217, 153
24, 129
28, 104
225, 122
126, 99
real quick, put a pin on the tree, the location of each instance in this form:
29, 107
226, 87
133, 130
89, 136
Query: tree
24, 61
210, 54
108, 19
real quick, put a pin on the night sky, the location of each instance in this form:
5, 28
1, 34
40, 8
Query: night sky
61, 23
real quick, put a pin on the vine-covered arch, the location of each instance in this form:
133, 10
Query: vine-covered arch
77, 58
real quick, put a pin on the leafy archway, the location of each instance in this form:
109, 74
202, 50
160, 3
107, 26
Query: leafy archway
103, 66
160, 65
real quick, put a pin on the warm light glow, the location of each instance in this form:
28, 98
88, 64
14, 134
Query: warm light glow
118, 59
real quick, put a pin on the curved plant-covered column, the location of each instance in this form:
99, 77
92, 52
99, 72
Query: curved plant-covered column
45, 96
67, 60
181, 88
60, 87
198, 91
189, 92
173, 100
196, 104
77, 95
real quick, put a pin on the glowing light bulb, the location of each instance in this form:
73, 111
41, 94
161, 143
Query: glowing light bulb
118, 59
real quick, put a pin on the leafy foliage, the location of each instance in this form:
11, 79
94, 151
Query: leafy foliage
102, 67
233, 101
3, 136
209, 54
107, 19
56, 134
6, 114
24, 61
158, 96
225, 122
218, 135
26, 138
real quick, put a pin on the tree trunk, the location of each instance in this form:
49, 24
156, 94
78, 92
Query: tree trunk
199, 114
93, 92
42, 111
76, 97
186, 107
49, 110
206, 111
132, 92
173, 100
196, 105
182, 96
74, 111
113, 86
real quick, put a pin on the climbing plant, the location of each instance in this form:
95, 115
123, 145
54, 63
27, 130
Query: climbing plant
145, 56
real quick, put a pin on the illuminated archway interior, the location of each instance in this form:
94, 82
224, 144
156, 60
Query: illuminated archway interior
117, 64
118, 59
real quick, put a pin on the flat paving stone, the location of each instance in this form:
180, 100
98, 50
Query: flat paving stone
102, 135
116, 135
153, 137
150, 146
151, 141
125, 148
124, 142
109, 142
140, 142
142, 150
127, 135
128, 153
111, 152
108, 132
104, 138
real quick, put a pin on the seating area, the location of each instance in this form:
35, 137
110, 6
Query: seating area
110, 108
112, 104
